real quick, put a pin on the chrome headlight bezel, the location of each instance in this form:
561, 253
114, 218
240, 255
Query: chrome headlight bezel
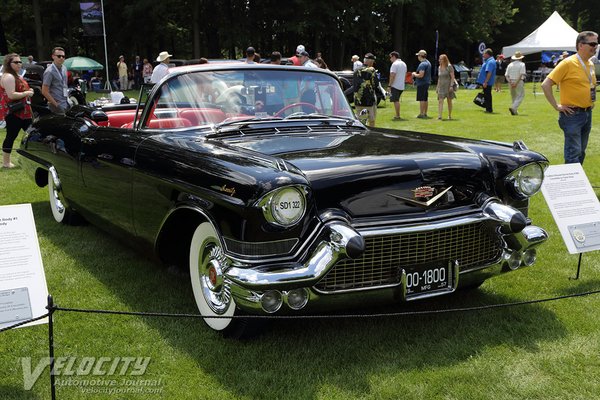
527, 180
284, 206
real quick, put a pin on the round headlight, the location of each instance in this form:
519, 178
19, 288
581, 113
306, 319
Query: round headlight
529, 179
286, 206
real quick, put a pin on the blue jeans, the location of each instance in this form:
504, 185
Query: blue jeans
576, 128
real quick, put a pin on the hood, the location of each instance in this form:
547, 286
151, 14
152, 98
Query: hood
374, 174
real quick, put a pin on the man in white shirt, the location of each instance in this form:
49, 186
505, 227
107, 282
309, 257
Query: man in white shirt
305, 60
356, 64
161, 69
515, 76
396, 81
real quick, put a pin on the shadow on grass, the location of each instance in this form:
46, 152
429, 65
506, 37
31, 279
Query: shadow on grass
296, 358
16, 393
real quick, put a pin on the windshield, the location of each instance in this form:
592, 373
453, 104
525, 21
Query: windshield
214, 97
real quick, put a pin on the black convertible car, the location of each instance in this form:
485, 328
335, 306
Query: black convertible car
261, 181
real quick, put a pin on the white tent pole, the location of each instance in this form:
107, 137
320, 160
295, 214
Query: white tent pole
105, 49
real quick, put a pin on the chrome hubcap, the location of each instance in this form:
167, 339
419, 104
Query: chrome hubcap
215, 289
57, 203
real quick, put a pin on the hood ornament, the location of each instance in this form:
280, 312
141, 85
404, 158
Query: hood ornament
422, 192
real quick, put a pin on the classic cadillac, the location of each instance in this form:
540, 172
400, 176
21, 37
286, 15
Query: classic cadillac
262, 182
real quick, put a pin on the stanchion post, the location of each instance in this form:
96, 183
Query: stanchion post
578, 266
50, 308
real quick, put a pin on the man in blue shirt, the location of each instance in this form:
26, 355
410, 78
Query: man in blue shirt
422, 79
486, 77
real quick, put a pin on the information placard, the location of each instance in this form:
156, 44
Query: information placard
574, 206
23, 289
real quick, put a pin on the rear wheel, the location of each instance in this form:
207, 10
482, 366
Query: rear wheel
61, 211
211, 291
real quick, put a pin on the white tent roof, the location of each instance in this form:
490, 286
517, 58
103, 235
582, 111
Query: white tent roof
553, 34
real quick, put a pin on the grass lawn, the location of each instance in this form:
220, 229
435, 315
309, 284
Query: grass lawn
540, 351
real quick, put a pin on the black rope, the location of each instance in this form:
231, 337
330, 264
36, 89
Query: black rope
23, 323
337, 316
323, 316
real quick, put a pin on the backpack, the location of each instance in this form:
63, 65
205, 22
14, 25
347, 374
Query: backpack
365, 95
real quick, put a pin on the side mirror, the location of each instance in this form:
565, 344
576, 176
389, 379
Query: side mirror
98, 116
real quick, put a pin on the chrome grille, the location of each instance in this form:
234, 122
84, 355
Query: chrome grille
470, 244
260, 249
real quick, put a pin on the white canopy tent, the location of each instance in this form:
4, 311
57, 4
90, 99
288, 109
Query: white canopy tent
553, 34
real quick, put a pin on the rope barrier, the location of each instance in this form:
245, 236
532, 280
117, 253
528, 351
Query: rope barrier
7, 328
336, 316
320, 316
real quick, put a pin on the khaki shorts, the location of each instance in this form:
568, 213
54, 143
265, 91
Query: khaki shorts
372, 111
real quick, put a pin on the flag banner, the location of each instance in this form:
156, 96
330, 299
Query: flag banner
91, 17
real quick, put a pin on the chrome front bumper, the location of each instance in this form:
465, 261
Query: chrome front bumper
339, 241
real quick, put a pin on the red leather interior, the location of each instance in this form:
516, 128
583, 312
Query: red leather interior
119, 118
201, 116
163, 123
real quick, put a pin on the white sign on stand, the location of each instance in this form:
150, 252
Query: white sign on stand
23, 289
574, 206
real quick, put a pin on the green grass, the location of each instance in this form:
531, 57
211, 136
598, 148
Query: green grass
539, 351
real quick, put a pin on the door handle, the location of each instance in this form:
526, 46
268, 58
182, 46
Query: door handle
87, 140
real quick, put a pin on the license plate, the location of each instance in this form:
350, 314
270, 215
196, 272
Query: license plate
420, 281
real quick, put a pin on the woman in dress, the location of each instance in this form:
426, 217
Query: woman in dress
13, 89
147, 71
445, 86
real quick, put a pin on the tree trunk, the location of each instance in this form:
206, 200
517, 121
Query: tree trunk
39, 38
196, 29
398, 34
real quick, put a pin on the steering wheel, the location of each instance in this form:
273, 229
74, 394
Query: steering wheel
299, 104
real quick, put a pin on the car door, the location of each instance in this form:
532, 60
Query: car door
107, 163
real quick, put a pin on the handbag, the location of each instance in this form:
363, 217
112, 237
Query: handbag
455, 85
480, 99
15, 107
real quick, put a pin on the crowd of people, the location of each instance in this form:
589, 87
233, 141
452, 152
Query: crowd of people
574, 73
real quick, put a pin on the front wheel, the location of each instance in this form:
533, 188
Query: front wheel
212, 291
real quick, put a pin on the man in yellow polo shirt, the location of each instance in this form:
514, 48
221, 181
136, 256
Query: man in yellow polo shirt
577, 80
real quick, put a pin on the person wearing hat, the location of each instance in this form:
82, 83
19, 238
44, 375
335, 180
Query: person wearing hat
564, 55
295, 59
162, 69
122, 70
515, 76
577, 80
305, 60
422, 77
364, 84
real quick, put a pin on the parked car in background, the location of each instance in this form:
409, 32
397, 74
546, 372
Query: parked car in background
346, 78
260, 181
